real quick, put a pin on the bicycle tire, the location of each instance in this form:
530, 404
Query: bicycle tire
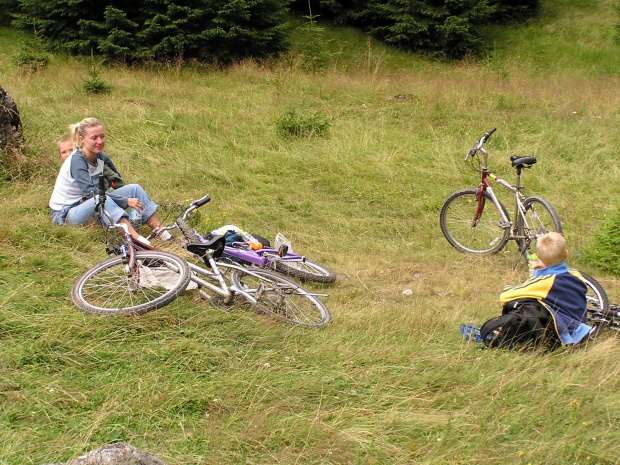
187, 231
456, 221
305, 271
541, 218
598, 305
107, 288
282, 298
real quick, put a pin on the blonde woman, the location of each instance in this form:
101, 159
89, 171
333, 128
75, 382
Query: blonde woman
72, 200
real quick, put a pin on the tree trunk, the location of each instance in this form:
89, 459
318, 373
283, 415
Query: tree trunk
11, 135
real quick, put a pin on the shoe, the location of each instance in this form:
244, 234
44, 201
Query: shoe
471, 331
163, 235
142, 240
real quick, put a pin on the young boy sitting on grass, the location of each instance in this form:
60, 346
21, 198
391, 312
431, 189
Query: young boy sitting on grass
559, 289
65, 147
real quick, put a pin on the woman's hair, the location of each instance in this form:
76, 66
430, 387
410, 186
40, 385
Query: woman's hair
79, 129
550, 248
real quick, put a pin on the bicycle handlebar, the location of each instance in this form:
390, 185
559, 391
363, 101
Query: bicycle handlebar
193, 206
200, 202
480, 143
101, 194
611, 313
100, 203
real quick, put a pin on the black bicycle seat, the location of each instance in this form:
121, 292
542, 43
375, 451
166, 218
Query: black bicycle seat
215, 244
520, 162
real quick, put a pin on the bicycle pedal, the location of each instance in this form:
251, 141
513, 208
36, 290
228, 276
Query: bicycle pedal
504, 225
283, 250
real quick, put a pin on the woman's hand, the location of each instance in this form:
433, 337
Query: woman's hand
135, 203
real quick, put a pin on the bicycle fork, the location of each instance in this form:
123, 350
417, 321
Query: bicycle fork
505, 222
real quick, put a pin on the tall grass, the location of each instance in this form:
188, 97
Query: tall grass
390, 380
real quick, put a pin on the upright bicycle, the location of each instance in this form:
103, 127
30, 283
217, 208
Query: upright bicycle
475, 221
141, 278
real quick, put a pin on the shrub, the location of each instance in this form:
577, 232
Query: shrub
315, 54
294, 124
94, 84
511, 11
33, 54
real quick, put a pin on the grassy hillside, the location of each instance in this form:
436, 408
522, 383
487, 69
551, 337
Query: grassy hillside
390, 380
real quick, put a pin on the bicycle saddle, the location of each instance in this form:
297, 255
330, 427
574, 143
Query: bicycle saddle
215, 244
519, 162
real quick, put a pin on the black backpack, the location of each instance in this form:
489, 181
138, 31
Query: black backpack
523, 324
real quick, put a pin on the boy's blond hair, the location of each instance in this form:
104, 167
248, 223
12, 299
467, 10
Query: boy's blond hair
63, 140
551, 248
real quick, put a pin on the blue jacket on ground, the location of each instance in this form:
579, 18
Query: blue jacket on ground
563, 292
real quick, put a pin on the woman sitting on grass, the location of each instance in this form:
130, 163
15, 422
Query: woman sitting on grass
72, 200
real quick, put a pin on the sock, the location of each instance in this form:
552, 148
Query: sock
143, 240
164, 235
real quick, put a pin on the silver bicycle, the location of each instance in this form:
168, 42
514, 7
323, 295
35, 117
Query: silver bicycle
475, 221
140, 278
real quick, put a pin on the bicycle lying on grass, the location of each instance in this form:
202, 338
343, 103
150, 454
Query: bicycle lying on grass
470, 225
601, 320
141, 278
600, 313
279, 258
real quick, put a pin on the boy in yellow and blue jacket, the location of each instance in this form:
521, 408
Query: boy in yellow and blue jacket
561, 290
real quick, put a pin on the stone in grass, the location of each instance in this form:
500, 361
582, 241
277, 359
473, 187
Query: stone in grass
116, 454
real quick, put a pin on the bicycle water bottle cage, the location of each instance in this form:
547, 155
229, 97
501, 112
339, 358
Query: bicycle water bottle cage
215, 245
522, 162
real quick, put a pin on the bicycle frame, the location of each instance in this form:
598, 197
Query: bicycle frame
222, 289
519, 210
485, 186
262, 258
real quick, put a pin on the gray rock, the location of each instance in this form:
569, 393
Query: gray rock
116, 454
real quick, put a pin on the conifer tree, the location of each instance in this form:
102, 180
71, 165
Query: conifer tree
208, 30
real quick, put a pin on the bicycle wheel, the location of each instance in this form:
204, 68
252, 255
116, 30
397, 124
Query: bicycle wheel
110, 287
305, 270
541, 218
465, 233
187, 231
282, 298
598, 305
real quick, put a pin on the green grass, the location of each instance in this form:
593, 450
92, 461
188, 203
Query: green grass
390, 380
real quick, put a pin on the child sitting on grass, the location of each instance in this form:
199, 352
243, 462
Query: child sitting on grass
65, 147
559, 289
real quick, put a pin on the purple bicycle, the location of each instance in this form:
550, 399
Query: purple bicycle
254, 251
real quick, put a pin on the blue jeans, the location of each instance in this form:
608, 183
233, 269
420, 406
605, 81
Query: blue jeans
84, 212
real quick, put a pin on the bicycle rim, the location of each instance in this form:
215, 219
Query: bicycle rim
598, 305
110, 287
305, 270
457, 223
282, 298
